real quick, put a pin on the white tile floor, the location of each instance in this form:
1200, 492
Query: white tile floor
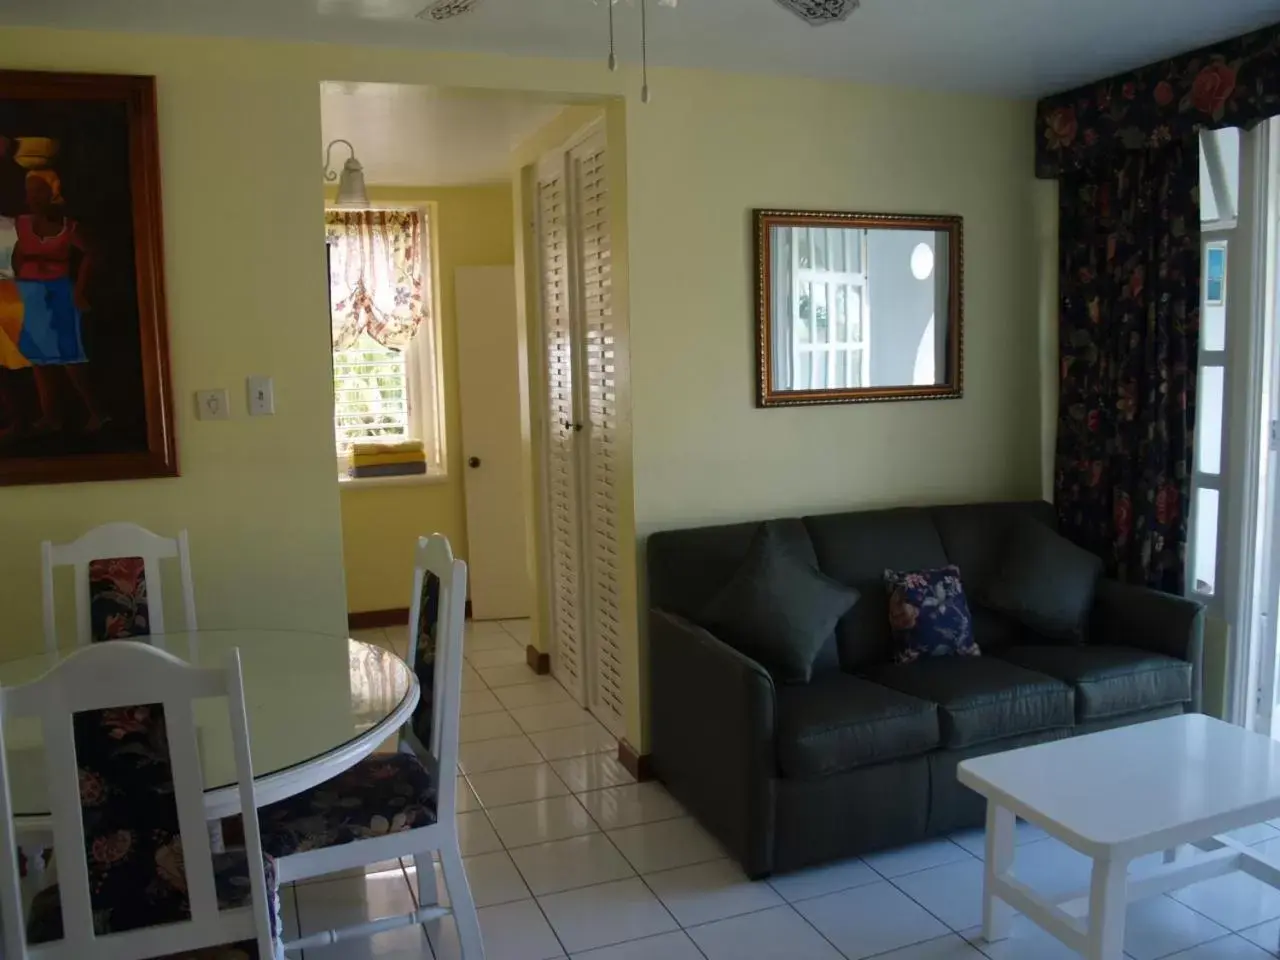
568, 857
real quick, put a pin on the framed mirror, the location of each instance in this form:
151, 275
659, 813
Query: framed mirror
858, 307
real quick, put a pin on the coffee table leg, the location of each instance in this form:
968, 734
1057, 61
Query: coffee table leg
996, 914
1108, 897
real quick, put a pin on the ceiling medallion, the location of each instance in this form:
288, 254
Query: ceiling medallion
818, 12
444, 9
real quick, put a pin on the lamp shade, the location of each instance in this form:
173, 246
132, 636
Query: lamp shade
351, 189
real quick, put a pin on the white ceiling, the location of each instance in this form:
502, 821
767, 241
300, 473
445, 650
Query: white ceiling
426, 137
1013, 47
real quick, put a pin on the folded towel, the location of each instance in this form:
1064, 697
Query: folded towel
383, 459
388, 470
375, 447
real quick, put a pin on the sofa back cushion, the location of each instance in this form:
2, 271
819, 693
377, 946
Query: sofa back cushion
977, 538
856, 549
687, 568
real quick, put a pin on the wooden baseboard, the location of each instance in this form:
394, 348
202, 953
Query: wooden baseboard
370, 619
639, 765
539, 662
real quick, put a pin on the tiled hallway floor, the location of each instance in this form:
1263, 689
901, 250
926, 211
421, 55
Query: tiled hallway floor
568, 857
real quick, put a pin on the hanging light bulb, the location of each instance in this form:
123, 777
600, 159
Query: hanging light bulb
644, 39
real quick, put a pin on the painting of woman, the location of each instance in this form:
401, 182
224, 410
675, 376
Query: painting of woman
84, 378
52, 302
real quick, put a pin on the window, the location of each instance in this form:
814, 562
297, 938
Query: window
385, 359
371, 394
1219, 195
829, 330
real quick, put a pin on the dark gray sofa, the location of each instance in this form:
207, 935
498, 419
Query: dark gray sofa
864, 756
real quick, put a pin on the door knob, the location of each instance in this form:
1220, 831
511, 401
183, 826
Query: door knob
473, 462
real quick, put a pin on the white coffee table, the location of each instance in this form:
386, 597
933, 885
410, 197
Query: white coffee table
1116, 796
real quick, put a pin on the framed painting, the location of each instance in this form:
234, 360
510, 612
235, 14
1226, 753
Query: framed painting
85, 390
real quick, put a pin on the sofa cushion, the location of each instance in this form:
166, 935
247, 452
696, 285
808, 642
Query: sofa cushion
839, 722
856, 549
778, 609
687, 568
1110, 681
929, 614
974, 536
1046, 582
982, 698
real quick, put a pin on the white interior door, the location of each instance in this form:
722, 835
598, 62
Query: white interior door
488, 372
588, 163
562, 468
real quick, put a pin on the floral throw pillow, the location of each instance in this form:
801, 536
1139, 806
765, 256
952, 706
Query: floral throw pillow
929, 614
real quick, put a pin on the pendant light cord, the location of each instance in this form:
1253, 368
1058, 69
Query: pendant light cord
644, 49
613, 55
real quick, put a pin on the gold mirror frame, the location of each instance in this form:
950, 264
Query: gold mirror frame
953, 227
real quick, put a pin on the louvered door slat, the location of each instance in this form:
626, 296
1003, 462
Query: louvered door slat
563, 488
592, 241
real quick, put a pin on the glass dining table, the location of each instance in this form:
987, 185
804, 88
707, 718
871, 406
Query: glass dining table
317, 705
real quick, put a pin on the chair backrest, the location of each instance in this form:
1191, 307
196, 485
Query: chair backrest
437, 617
115, 552
103, 684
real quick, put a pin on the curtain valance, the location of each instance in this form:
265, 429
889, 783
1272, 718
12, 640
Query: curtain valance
1235, 83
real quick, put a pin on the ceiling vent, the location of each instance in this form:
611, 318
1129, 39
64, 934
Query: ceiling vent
819, 12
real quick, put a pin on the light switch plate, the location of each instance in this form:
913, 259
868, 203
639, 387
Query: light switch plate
262, 398
212, 405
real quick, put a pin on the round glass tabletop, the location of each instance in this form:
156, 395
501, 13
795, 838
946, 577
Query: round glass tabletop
317, 704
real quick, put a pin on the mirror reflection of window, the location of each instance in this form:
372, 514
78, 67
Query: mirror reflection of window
856, 308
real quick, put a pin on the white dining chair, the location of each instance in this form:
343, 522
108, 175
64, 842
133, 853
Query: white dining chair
113, 541
109, 677
402, 804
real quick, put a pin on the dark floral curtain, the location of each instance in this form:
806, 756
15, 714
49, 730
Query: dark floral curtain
1232, 84
1130, 284
1126, 150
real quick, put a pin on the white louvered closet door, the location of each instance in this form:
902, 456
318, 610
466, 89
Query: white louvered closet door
590, 237
563, 470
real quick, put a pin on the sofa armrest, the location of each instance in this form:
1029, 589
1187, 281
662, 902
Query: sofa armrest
712, 726
1131, 616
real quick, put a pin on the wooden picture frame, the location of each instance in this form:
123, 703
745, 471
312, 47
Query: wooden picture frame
949, 384
85, 384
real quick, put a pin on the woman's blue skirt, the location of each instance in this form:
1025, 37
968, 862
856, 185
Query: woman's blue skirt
50, 323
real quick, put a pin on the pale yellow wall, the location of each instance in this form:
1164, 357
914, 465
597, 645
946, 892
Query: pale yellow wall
240, 128
245, 265
380, 525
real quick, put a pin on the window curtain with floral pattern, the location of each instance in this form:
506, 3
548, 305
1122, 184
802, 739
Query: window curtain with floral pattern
378, 275
1126, 151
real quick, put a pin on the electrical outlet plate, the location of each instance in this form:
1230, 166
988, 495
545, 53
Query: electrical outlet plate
262, 397
212, 405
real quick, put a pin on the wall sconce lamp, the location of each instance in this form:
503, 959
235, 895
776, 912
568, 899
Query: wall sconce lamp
351, 190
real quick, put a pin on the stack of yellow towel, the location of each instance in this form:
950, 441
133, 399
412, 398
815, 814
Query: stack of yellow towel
400, 459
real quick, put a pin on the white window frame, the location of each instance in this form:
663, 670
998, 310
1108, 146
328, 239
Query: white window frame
849, 351
1223, 233
424, 382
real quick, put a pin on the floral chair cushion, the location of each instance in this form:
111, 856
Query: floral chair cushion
383, 794
118, 599
929, 614
425, 657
